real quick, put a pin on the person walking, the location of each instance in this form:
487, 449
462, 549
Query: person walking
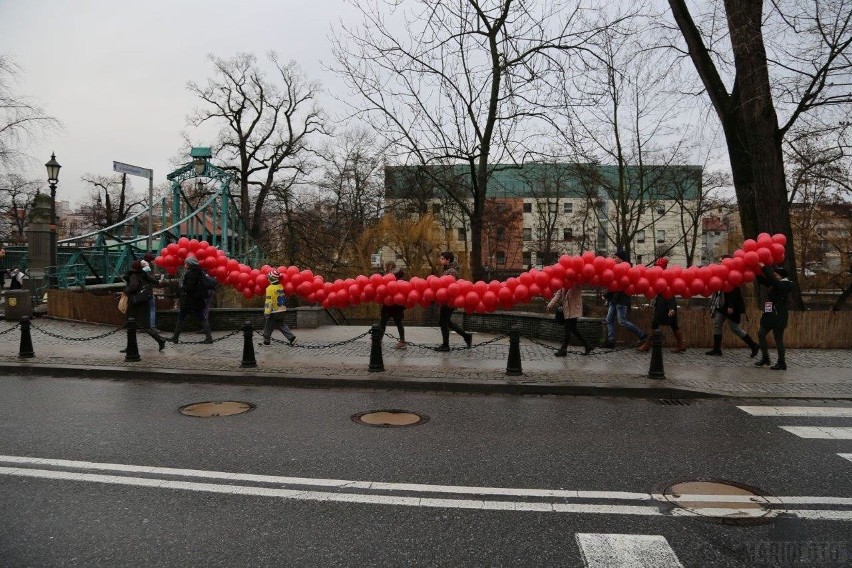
570, 302
665, 313
193, 294
273, 309
147, 261
729, 307
775, 312
618, 306
394, 311
16, 279
139, 291
450, 267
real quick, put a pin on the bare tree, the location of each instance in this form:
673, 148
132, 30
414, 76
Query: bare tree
21, 118
466, 84
265, 126
16, 200
801, 66
118, 202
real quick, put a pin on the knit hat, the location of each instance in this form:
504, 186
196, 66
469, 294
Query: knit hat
273, 276
136, 265
622, 254
148, 257
192, 261
662, 262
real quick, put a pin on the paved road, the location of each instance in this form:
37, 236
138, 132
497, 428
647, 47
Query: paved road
487, 480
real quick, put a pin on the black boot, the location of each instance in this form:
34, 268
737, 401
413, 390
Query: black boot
205, 328
781, 365
755, 348
717, 346
764, 361
562, 351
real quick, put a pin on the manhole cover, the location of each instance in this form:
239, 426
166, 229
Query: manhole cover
214, 409
722, 500
390, 418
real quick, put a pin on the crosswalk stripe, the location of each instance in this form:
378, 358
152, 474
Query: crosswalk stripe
821, 432
846, 456
626, 551
811, 411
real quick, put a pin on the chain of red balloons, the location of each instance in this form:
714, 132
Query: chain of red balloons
480, 297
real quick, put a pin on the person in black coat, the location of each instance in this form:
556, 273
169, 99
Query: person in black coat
139, 287
193, 298
775, 312
729, 307
394, 311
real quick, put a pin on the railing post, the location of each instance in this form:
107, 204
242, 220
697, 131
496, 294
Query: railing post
132, 352
248, 347
25, 351
513, 365
656, 369
377, 364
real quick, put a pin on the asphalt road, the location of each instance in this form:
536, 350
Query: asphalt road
486, 481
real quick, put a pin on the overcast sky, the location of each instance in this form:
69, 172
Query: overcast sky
115, 72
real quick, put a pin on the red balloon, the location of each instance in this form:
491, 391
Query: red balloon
750, 245
751, 258
504, 294
428, 296
679, 286
471, 299
779, 238
399, 299
521, 293
441, 295
777, 252
735, 277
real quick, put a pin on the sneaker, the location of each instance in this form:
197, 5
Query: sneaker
292, 340
608, 344
468, 339
401, 345
443, 348
561, 352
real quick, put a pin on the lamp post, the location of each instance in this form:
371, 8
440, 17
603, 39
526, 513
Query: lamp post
52, 179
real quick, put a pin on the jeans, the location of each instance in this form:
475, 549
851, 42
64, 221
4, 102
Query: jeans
620, 311
446, 324
276, 321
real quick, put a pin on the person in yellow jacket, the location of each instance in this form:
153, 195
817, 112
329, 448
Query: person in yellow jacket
274, 308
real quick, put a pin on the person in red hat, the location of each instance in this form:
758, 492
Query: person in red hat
273, 309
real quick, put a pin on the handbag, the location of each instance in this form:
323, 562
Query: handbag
143, 295
122, 303
560, 315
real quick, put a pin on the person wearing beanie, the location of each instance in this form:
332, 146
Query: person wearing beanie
193, 298
450, 267
665, 313
618, 306
775, 312
140, 291
729, 307
273, 309
393, 311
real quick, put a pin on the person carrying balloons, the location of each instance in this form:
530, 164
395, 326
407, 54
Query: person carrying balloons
619, 304
274, 308
393, 311
775, 312
193, 296
570, 301
729, 306
665, 313
450, 267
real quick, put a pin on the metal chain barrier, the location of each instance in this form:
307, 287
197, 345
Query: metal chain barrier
316, 345
11, 329
57, 336
431, 347
204, 341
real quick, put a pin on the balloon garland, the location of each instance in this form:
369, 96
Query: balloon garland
482, 297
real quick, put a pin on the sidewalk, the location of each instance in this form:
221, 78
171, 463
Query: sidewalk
331, 356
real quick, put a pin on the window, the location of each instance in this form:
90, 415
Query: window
661, 210
640, 236
567, 234
567, 207
501, 233
501, 258
462, 234
527, 234
551, 207
436, 209
527, 258
527, 207
661, 236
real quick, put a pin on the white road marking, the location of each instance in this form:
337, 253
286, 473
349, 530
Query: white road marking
821, 432
650, 504
626, 551
846, 456
811, 411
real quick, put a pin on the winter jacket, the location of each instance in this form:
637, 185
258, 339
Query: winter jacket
141, 312
733, 300
776, 306
193, 291
662, 306
276, 300
452, 269
571, 299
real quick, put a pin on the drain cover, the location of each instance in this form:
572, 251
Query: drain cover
390, 418
723, 500
214, 409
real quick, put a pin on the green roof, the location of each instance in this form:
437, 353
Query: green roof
201, 152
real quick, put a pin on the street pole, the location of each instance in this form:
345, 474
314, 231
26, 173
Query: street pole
53, 226
150, 209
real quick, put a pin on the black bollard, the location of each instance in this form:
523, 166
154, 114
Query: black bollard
25, 351
131, 354
248, 347
377, 364
656, 370
513, 365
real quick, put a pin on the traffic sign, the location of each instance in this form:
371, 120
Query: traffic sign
132, 170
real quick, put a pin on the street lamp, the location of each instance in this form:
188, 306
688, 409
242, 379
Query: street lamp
52, 179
